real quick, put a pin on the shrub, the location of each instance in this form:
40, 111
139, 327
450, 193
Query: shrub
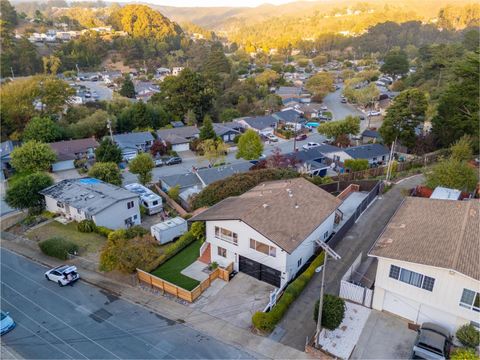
102, 230
58, 247
136, 230
267, 321
333, 311
174, 193
468, 336
463, 354
238, 184
356, 164
86, 226
198, 230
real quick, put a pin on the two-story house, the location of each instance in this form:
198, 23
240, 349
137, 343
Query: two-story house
70, 150
428, 263
88, 198
270, 231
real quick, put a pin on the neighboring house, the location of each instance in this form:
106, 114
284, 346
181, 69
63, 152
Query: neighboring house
270, 231
70, 150
288, 92
371, 136
88, 198
428, 267
263, 125
192, 183
376, 154
6, 149
179, 137
133, 143
290, 117
227, 131
317, 160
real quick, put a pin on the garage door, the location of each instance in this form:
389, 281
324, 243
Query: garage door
259, 271
401, 306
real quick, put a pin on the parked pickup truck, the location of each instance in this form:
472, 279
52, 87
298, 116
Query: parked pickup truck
433, 342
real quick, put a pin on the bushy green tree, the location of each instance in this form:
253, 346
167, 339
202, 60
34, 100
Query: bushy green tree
333, 311
463, 354
356, 164
23, 193
106, 171
207, 131
403, 117
127, 89
108, 152
395, 63
333, 129
32, 156
452, 173
142, 165
462, 149
91, 125
250, 146
42, 129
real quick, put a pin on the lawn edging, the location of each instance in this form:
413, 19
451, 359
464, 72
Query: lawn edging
266, 321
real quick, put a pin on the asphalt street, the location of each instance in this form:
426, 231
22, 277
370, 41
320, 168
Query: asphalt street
338, 109
189, 162
84, 322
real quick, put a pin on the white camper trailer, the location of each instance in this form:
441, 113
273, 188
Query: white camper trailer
168, 230
149, 200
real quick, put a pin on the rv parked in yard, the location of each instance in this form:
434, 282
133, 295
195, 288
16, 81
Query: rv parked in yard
168, 230
149, 200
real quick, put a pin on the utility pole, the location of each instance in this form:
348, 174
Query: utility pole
13, 75
109, 126
328, 251
389, 167
295, 135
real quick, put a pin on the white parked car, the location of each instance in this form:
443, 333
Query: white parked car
324, 108
63, 275
374, 113
272, 138
310, 145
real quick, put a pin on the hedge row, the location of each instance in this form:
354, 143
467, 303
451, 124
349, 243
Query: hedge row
267, 321
238, 184
58, 247
175, 247
88, 226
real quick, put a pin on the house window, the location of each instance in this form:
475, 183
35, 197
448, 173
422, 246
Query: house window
299, 262
226, 235
130, 204
475, 325
263, 248
470, 300
59, 204
411, 278
155, 202
135, 217
325, 235
428, 283
394, 272
383, 158
222, 251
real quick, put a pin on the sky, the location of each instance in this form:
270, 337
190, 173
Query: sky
209, 3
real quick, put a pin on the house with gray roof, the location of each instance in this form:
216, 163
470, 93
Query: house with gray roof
87, 198
371, 136
263, 125
133, 143
269, 232
428, 266
70, 150
376, 154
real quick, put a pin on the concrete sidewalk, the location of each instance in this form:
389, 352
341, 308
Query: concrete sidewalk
257, 346
298, 322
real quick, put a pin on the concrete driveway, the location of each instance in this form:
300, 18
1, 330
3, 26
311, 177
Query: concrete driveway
237, 300
384, 337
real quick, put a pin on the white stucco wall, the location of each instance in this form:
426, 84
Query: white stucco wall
286, 263
418, 305
114, 216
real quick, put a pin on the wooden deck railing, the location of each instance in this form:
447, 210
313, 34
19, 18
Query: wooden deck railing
172, 289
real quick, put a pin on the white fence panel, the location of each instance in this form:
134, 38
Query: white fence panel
351, 292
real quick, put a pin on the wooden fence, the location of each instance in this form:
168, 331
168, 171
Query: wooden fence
172, 289
180, 210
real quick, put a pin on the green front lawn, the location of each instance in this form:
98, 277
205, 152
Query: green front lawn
88, 242
170, 270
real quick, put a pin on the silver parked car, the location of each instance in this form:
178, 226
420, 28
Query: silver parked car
433, 342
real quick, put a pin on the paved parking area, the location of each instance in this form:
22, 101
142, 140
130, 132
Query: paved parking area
384, 336
237, 300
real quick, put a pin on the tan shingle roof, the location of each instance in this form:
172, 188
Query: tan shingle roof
285, 212
440, 233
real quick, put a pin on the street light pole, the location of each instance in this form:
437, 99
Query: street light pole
335, 256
